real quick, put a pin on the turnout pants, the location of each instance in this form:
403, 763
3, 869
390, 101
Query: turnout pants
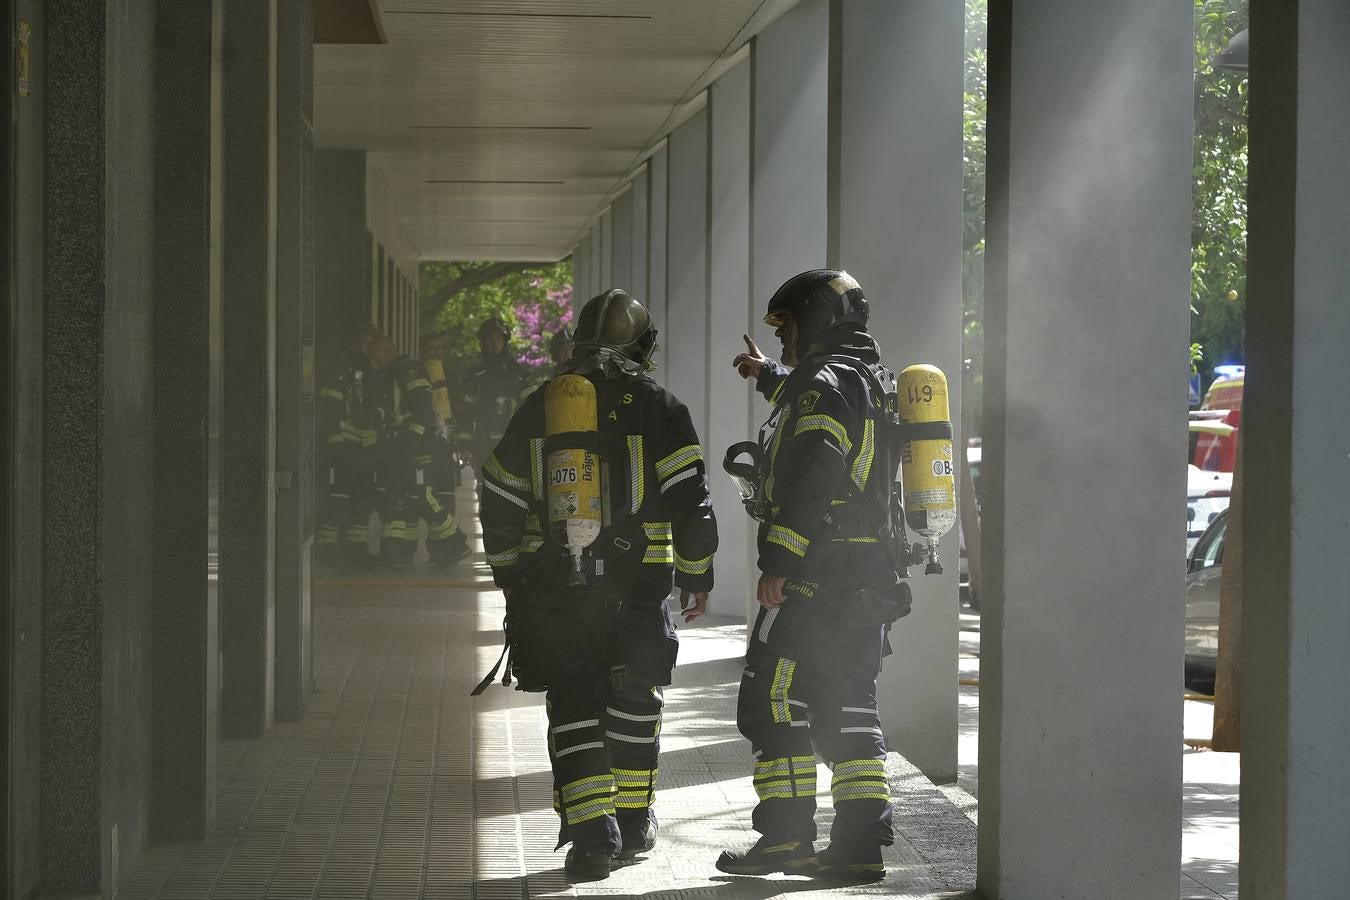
604, 713
347, 484
810, 687
417, 478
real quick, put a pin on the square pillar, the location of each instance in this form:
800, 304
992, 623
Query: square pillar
730, 312
1296, 435
248, 482
1087, 275
900, 236
640, 251
295, 341
687, 276
184, 640
658, 237
622, 241
599, 281
581, 273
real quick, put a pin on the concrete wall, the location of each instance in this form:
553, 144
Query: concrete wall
622, 241
730, 311
341, 275
899, 234
1081, 651
1296, 427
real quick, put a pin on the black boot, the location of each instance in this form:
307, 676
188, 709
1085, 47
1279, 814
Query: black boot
857, 863
639, 837
768, 856
588, 864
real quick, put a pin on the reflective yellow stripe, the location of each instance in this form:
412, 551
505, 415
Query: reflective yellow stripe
787, 538
681, 458
637, 474
657, 531
584, 787
503, 559
333, 394
418, 383
693, 566
592, 809
494, 467
862, 466
854, 768
828, 424
537, 467
416, 428
778, 690
661, 554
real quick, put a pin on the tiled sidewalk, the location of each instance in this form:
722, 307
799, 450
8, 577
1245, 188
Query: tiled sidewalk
398, 784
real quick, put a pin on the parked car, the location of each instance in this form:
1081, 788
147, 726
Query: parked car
1204, 568
1207, 495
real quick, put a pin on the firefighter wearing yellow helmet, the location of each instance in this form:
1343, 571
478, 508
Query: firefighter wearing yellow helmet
831, 553
594, 500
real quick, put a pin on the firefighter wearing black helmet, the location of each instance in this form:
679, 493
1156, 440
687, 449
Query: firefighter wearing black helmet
493, 388
603, 651
810, 682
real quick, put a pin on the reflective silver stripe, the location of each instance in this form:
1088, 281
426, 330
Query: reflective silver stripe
800, 703
687, 473
860, 729
859, 709
686, 455
503, 492
632, 718
573, 726
593, 745
505, 558
767, 624
628, 738
494, 467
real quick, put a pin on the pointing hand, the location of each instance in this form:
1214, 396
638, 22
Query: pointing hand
750, 363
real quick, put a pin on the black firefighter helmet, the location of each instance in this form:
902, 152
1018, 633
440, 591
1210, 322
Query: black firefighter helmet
493, 325
616, 321
817, 300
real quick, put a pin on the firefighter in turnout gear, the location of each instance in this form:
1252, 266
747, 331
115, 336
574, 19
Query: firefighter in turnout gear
346, 452
591, 625
810, 681
416, 480
494, 387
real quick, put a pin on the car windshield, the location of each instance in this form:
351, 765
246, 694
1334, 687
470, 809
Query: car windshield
1209, 552
1201, 511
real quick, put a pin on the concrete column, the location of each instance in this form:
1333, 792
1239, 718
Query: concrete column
581, 273
607, 249
185, 643
598, 281
900, 236
1087, 275
1296, 427
98, 440
248, 489
789, 228
687, 277
641, 210
295, 357
729, 314
342, 300
658, 230
622, 241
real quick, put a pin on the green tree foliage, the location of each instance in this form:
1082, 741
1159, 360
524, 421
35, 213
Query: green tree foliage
972, 224
534, 299
1219, 225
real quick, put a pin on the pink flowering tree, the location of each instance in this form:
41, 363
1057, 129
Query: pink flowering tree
539, 319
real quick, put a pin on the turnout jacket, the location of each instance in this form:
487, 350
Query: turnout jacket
345, 402
662, 522
825, 486
493, 389
406, 401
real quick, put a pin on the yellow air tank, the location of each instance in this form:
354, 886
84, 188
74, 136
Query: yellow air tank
575, 503
926, 458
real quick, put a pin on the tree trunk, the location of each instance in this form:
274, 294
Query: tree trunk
1228, 670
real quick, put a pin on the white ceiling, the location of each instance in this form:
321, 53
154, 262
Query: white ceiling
529, 111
